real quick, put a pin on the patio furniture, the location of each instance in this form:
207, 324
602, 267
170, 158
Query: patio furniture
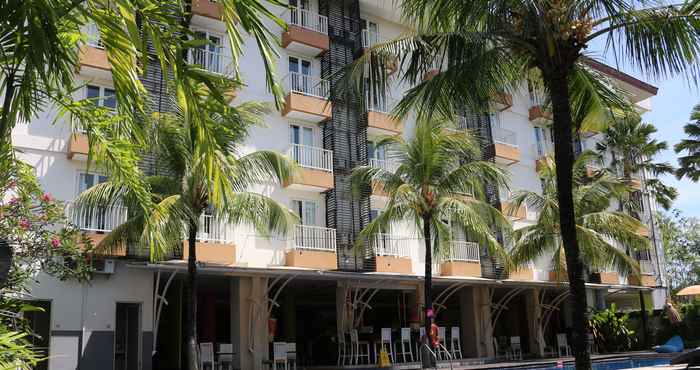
279, 355
384, 339
206, 356
355, 345
344, 350
225, 356
441, 351
455, 343
405, 343
419, 342
563, 348
516, 350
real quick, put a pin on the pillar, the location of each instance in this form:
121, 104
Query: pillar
534, 319
249, 321
477, 332
343, 313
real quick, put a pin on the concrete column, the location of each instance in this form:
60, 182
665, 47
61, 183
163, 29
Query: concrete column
534, 319
342, 311
250, 321
481, 343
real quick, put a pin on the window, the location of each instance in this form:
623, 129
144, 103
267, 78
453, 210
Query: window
87, 180
209, 56
93, 36
305, 210
102, 96
90, 218
302, 140
300, 75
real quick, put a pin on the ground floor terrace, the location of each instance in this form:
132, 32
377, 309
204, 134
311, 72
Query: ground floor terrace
248, 318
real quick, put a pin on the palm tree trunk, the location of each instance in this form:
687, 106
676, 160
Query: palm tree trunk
191, 299
427, 291
5, 124
564, 158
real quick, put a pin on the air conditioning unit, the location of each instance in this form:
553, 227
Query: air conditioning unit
104, 266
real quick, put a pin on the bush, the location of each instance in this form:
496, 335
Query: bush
611, 330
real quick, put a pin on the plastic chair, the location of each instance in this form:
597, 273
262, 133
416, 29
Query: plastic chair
563, 348
516, 351
279, 355
441, 351
225, 356
455, 343
385, 339
206, 356
405, 342
292, 355
355, 345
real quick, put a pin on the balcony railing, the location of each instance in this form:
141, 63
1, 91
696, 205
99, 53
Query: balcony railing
214, 230
646, 267
384, 164
503, 136
93, 35
312, 157
537, 98
308, 20
370, 38
213, 61
96, 219
464, 251
391, 246
307, 85
314, 238
542, 148
375, 105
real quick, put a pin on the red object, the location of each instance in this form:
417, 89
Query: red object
272, 327
434, 338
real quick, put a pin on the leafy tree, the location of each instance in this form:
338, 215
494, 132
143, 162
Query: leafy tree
611, 330
630, 143
476, 49
439, 176
689, 165
600, 232
681, 240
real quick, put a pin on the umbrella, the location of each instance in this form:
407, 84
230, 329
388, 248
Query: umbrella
690, 290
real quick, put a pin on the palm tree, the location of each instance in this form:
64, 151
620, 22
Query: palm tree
439, 176
202, 172
599, 230
629, 142
689, 165
480, 48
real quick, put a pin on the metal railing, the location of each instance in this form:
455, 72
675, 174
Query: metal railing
93, 35
542, 148
308, 20
646, 267
307, 85
375, 105
503, 136
213, 229
384, 164
370, 38
314, 237
464, 251
96, 219
390, 246
312, 157
537, 98
213, 61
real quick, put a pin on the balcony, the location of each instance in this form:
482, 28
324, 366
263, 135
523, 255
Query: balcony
97, 222
505, 146
93, 55
514, 214
392, 254
386, 165
214, 61
522, 274
313, 247
539, 116
634, 182
372, 38
307, 98
379, 120
215, 242
501, 101
207, 8
307, 32
316, 168
644, 231
558, 276
608, 278
647, 277
78, 146
463, 260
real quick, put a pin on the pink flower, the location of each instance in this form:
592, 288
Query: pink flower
55, 242
46, 197
24, 224
14, 200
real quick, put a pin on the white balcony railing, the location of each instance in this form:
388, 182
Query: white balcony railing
540, 275
503, 136
537, 98
391, 246
464, 251
375, 105
542, 148
315, 238
214, 61
370, 38
384, 164
308, 20
92, 34
646, 267
214, 230
307, 85
312, 157
96, 219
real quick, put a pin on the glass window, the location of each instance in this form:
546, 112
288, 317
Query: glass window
305, 210
102, 96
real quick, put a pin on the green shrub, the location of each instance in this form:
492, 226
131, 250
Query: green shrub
611, 330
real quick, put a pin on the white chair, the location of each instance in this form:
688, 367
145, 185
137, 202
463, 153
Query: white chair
225, 356
419, 343
406, 348
355, 345
385, 339
563, 348
279, 355
441, 351
455, 343
206, 356
292, 355
516, 350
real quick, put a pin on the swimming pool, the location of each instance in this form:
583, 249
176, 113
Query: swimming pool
627, 363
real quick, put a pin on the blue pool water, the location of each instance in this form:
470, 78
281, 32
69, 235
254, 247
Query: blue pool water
629, 363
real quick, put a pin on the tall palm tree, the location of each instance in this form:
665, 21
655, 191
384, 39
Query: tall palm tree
202, 172
439, 176
480, 48
629, 142
601, 232
689, 165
